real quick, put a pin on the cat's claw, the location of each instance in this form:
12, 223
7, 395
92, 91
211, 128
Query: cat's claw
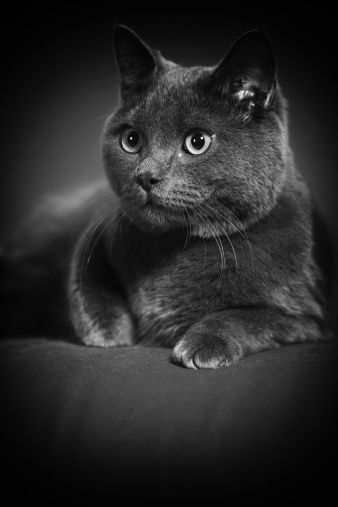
206, 352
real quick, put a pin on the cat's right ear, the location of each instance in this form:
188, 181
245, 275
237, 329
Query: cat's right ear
248, 70
135, 60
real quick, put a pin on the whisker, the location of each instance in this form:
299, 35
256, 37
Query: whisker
97, 239
101, 199
225, 218
243, 235
227, 236
112, 238
101, 117
205, 248
79, 239
187, 230
244, 231
182, 217
189, 222
130, 221
79, 216
92, 229
218, 242
89, 232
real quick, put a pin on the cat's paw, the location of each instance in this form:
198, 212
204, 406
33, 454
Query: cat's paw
118, 333
206, 351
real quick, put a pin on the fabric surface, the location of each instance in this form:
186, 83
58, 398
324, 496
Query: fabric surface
103, 419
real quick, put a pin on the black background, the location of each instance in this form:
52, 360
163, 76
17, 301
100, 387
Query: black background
60, 80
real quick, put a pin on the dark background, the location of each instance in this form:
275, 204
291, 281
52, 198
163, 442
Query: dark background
60, 80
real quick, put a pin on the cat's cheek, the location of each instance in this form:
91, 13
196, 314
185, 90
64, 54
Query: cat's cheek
206, 351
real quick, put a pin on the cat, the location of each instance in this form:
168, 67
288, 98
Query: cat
201, 239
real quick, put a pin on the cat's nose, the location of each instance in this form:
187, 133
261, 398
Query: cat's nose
147, 181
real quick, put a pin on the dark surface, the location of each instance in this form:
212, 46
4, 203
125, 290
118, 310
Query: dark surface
93, 422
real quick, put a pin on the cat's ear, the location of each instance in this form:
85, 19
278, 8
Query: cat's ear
248, 70
135, 60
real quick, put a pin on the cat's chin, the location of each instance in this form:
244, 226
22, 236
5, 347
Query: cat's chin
159, 219
154, 217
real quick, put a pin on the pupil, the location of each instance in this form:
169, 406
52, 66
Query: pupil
198, 141
133, 139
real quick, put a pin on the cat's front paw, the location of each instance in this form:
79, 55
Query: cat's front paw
206, 351
114, 333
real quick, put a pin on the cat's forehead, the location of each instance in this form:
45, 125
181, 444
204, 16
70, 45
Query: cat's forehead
174, 100
177, 86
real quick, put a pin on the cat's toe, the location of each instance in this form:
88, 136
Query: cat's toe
206, 352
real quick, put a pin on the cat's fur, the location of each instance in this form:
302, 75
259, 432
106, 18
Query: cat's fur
210, 254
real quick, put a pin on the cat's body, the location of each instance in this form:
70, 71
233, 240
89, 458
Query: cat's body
206, 244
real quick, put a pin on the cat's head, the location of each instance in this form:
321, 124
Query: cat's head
198, 146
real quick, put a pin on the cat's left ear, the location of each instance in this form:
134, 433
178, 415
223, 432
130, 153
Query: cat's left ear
248, 70
135, 60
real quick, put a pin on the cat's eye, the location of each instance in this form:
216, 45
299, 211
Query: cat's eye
197, 142
131, 141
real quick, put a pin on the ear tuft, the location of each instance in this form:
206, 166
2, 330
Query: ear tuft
248, 70
135, 60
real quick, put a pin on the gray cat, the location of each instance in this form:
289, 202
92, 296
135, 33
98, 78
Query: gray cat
203, 239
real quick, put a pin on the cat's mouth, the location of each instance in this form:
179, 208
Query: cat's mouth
171, 208
163, 209
149, 201
155, 208
146, 202
153, 202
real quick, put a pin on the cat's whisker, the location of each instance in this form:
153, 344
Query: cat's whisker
182, 219
187, 233
131, 220
89, 232
74, 221
97, 239
179, 210
93, 228
187, 230
213, 211
121, 224
238, 220
189, 222
232, 246
205, 248
225, 233
218, 242
91, 235
244, 234
115, 228
82, 236
101, 117
101, 199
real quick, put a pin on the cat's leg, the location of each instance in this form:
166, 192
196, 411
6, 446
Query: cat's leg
98, 309
226, 337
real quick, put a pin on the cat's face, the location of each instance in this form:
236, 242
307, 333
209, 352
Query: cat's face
188, 146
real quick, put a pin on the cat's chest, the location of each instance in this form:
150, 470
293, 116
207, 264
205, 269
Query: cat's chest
170, 285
